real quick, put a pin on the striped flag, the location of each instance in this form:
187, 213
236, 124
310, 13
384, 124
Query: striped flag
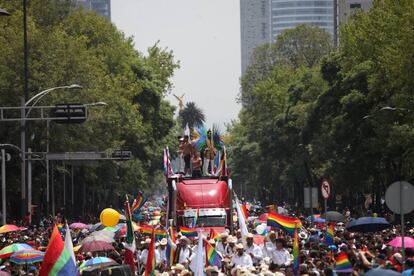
159, 233
57, 259
241, 219
288, 224
296, 251
130, 239
150, 266
138, 203
342, 263
170, 252
329, 236
214, 235
212, 257
188, 232
245, 212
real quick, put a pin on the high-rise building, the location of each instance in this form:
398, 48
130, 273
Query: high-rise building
101, 7
261, 21
347, 7
255, 27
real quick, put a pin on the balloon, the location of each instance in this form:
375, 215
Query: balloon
109, 217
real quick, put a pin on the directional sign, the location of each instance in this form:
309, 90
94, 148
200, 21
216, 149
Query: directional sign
325, 189
399, 197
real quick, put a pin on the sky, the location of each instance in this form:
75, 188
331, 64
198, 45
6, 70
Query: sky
204, 36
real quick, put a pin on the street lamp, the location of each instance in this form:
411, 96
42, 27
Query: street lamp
24, 114
3, 178
97, 104
3, 12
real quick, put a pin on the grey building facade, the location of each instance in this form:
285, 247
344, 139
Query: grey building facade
101, 7
347, 7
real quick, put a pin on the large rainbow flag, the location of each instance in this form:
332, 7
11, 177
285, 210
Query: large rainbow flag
342, 263
170, 251
150, 265
295, 251
188, 232
57, 260
212, 256
283, 222
159, 233
329, 236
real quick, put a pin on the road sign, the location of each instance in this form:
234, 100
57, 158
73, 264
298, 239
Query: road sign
69, 113
325, 189
399, 197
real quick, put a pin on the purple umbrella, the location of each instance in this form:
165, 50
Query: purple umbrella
96, 246
397, 242
78, 225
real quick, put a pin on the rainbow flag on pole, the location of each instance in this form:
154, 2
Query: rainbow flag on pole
138, 203
212, 257
295, 251
170, 252
57, 260
288, 224
159, 233
150, 265
214, 235
188, 232
329, 236
342, 263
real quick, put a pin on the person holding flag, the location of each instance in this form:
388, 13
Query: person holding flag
129, 239
279, 255
253, 250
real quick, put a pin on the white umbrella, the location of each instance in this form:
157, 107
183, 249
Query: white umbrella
102, 235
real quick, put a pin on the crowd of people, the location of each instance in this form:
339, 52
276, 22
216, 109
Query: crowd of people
267, 252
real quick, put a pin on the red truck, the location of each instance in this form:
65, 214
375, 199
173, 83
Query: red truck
211, 197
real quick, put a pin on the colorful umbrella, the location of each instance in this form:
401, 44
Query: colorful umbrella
98, 261
10, 249
9, 228
78, 225
397, 242
368, 224
96, 246
27, 256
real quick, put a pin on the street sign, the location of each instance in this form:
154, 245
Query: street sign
8, 157
69, 113
399, 197
122, 154
307, 199
325, 189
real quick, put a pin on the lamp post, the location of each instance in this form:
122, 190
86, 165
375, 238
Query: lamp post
3, 12
27, 107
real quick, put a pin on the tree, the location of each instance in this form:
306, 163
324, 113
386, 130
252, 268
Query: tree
192, 115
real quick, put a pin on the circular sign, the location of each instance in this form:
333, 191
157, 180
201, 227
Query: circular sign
399, 197
326, 189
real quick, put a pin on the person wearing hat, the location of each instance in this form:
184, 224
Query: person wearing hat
253, 249
212, 271
270, 244
182, 251
241, 258
280, 256
230, 247
221, 244
143, 257
162, 252
176, 269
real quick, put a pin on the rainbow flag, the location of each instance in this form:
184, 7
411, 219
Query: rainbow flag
329, 237
57, 260
138, 203
212, 257
170, 252
283, 222
214, 235
150, 265
195, 218
342, 263
244, 211
188, 232
159, 233
295, 251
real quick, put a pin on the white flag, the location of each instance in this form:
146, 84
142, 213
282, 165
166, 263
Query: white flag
242, 221
199, 261
69, 244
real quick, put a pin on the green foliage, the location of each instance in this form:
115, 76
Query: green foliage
325, 110
70, 46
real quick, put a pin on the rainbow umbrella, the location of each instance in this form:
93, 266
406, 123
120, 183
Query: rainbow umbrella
9, 228
27, 256
10, 249
98, 261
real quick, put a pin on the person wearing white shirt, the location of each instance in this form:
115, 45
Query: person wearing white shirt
143, 257
253, 250
241, 258
183, 251
162, 252
221, 244
280, 256
269, 245
230, 250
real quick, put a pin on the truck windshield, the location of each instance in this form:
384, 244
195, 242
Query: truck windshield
207, 221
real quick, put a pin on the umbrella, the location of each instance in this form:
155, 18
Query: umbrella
98, 261
96, 246
27, 256
102, 235
333, 216
397, 242
368, 224
10, 249
381, 272
9, 228
78, 225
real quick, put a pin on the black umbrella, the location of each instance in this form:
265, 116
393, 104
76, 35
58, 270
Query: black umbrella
333, 216
368, 224
381, 272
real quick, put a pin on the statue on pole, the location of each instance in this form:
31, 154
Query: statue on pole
180, 100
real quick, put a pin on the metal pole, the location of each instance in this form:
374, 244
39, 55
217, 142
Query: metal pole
402, 224
72, 186
326, 220
47, 169
29, 182
26, 96
3, 184
23, 153
53, 194
64, 186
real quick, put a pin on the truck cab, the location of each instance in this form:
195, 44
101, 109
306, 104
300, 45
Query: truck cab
210, 198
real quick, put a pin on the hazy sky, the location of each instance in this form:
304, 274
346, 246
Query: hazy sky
204, 36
